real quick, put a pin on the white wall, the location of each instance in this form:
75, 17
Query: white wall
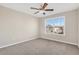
16, 27
70, 28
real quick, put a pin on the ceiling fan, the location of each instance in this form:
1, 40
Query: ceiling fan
42, 8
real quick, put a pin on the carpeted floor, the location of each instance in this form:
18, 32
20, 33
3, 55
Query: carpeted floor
40, 47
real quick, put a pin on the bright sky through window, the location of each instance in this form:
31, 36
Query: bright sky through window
56, 21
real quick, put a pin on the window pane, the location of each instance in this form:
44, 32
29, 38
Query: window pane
55, 25
56, 21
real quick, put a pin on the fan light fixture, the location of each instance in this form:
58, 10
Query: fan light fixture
42, 9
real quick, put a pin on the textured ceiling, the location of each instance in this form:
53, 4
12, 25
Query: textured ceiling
25, 7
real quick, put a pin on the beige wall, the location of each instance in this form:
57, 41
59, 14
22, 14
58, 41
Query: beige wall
16, 27
70, 28
78, 25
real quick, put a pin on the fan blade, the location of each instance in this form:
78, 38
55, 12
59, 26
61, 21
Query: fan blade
49, 9
36, 12
44, 6
34, 8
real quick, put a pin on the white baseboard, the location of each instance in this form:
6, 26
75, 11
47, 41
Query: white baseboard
60, 41
19, 42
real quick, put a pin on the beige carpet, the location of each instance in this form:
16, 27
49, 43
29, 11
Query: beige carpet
40, 47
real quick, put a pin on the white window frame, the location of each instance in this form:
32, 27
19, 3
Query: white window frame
54, 18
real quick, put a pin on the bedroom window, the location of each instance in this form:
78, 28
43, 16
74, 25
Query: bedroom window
55, 25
